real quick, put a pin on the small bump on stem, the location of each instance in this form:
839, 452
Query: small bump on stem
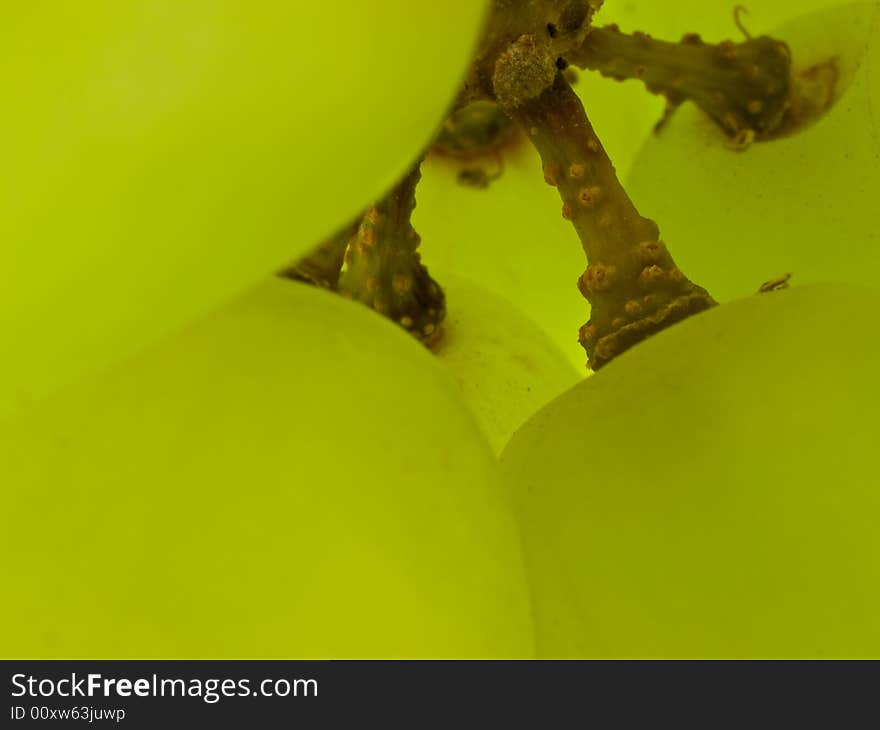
383, 268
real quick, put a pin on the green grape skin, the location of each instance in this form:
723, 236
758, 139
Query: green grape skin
506, 366
289, 478
492, 239
712, 19
712, 492
160, 156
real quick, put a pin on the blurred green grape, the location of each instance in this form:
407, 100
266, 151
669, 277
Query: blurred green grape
292, 477
509, 239
712, 492
506, 365
160, 155
799, 204
713, 19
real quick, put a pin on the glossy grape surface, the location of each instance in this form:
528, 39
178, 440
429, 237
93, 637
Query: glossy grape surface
159, 155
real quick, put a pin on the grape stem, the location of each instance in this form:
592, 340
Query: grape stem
745, 88
551, 27
323, 265
383, 269
631, 281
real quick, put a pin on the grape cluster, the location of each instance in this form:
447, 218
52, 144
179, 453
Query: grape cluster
292, 475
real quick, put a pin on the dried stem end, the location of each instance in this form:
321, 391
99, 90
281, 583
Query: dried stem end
632, 283
323, 266
383, 269
478, 130
553, 26
745, 88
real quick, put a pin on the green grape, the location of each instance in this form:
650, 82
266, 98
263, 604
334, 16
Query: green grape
713, 19
291, 477
712, 492
509, 240
792, 205
160, 155
506, 365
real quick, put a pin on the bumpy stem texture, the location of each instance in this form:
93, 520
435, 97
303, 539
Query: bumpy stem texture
323, 266
632, 283
383, 269
745, 87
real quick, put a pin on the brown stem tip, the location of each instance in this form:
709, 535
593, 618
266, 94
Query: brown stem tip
323, 265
